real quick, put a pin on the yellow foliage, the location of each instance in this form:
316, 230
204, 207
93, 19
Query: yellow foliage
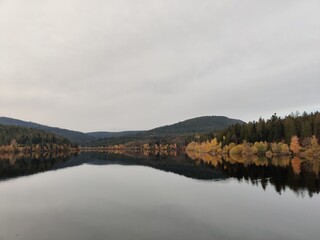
260, 160
238, 149
314, 143
276, 148
281, 161
205, 147
237, 158
269, 154
280, 148
285, 148
262, 147
254, 149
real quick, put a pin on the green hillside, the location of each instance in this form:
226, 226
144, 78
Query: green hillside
72, 136
28, 136
173, 133
166, 133
195, 125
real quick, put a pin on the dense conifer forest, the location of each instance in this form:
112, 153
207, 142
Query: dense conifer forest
275, 129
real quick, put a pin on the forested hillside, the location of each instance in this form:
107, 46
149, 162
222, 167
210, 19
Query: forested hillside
28, 136
72, 136
176, 133
195, 125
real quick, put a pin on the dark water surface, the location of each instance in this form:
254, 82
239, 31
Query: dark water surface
99, 196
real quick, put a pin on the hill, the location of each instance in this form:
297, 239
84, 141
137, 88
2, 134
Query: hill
175, 132
28, 136
166, 133
195, 125
72, 136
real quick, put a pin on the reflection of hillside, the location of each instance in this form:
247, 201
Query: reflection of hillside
280, 171
181, 164
205, 157
12, 165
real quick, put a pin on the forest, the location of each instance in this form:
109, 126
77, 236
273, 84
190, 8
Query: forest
27, 136
294, 134
20, 139
275, 129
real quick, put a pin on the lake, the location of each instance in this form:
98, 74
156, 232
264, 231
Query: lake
107, 196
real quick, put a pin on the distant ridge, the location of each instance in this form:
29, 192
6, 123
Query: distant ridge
72, 136
192, 126
196, 125
187, 127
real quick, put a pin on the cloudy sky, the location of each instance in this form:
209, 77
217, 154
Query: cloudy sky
124, 64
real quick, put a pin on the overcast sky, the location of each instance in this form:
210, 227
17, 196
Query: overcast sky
138, 64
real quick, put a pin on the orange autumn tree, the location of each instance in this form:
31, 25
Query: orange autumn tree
295, 145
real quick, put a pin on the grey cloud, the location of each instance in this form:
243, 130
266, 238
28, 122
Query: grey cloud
93, 65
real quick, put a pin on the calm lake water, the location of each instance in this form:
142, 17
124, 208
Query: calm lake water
99, 196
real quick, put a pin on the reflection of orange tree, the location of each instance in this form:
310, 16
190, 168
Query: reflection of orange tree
296, 165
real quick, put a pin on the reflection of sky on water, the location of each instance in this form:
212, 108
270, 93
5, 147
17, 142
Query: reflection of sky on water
135, 202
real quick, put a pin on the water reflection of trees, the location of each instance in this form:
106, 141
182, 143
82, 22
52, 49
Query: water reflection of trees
14, 165
299, 175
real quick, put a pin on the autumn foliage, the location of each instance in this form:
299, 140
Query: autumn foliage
294, 145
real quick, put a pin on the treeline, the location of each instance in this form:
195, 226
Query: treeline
311, 151
275, 129
27, 136
293, 135
73, 136
22, 140
146, 149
